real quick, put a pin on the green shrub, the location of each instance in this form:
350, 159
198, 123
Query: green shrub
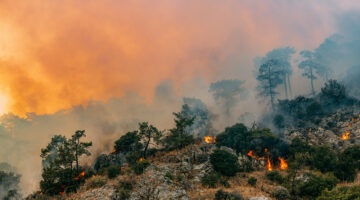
324, 159
252, 181
140, 166
222, 195
95, 182
224, 162
169, 176
113, 171
281, 193
210, 180
316, 184
275, 176
345, 192
124, 189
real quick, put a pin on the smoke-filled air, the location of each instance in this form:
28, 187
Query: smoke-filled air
112, 67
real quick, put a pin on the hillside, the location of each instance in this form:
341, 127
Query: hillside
178, 174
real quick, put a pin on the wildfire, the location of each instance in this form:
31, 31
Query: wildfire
345, 135
210, 140
269, 165
283, 163
251, 154
141, 159
82, 174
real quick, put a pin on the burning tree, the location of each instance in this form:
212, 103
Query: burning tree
61, 170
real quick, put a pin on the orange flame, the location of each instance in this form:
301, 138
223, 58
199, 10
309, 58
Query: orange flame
82, 174
250, 153
269, 165
283, 163
210, 140
345, 135
141, 159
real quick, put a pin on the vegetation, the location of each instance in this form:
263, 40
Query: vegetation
210, 180
9, 182
95, 182
61, 169
224, 162
222, 195
344, 192
180, 136
281, 193
252, 181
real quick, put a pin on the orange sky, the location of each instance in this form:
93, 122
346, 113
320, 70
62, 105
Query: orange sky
60, 53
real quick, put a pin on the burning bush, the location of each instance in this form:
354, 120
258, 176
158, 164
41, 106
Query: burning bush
224, 162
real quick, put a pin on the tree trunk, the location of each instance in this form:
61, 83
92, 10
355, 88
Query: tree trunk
146, 147
312, 82
285, 86
289, 86
270, 89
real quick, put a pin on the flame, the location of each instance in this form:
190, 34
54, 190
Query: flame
82, 174
345, 135
268, 165
250, 153
62, 193
209, 139
141, 159
283, 163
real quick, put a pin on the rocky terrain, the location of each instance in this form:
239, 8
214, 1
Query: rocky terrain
177, 174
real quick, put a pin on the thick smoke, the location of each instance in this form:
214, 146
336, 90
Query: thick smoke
9, 182
104, 67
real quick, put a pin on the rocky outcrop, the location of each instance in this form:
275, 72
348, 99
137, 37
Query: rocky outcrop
107, 192
159, 182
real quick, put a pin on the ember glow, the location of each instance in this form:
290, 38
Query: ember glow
141, 159
209, 139
345, 135
283, 163
252, 155
269, 165
82, 174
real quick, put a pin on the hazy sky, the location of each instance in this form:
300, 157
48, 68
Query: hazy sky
134, 60
60, 53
